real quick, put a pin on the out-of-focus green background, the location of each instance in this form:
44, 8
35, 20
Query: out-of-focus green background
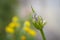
7, 11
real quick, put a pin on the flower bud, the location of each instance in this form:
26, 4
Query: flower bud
38, 21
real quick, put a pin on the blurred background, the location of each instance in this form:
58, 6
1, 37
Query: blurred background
48, 9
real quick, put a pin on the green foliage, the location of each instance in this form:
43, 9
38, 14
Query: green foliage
7, 11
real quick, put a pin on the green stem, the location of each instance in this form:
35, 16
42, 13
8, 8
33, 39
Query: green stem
43, 35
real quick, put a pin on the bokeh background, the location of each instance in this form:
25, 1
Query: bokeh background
48, 9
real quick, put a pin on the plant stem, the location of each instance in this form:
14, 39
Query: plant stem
43, 35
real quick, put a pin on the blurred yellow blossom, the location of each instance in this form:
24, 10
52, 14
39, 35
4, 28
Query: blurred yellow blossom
23, 37
27, 29
27, 24
15, 19
12, 25
9, 30
32, 32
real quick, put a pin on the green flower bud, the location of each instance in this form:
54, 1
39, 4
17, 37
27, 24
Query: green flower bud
38, 22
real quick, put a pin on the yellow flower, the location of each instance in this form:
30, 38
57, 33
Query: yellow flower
12, 25
26, 29
9, 30
15, 19
27, 24
23, 38
32, 32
